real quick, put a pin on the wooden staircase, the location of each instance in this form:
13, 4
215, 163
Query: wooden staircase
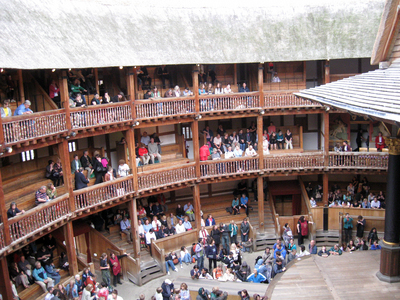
326, 238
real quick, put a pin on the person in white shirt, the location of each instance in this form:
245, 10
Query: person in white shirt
156, 224
265, 146
313, 202
203, 234
228, 90
153, 151
114, 296
375, 203
49, 295
180, 228
250, 151
238, 152
150, 236
145, 138
303, 251
229, 153
123, 169
141, 229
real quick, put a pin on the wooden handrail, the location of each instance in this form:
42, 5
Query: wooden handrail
100, 106
161, 100
103, 184
189, 164
274, 214
159, 255
33, 115
2, 239
243, 158
313, 230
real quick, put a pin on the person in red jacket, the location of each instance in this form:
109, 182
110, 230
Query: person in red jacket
204, 152
380, 142
144, 154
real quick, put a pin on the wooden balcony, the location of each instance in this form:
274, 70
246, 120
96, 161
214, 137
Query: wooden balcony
287, 100
164, 108
38, 220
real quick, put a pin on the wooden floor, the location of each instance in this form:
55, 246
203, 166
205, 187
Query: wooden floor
349, 276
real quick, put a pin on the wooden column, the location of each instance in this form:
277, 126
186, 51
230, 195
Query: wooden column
260, 196
261, 84
130, 140
130, 83
235, 74
96, 79
134, 227
196, 205
3, 212
327, 76
196, 146
66, 162
325, 187
21, 86
5, 286
196, 90
65, 98
70, 245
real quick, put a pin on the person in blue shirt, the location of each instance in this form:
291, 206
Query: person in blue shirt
256, 277
235, 205
187, 224
244, 203
23, 109
375, 246
312, 247
40, 276
281, 250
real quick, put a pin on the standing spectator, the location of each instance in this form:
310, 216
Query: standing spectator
58, 172
245, 229
85, 162
105, 271
123, 168
54, 93
211, 253
75, 164
23, 109
289, 139
99, 170
347, 226
80, 179
143, 77
216, 236
302, 230
233, 229
116, 267
199, 252
5, 109
224, 229
14, 211
360, 228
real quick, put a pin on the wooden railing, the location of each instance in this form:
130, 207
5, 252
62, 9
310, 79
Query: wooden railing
133, 270
175, 242
224, 102
38, 218
294, 162
166, 176
358, 160
147, 109
30, 126
226, 167
101, 193
96, 115
286, 100
275, 216
159, 256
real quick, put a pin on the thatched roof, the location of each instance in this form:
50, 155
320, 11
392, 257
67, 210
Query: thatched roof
37, 34
375, 94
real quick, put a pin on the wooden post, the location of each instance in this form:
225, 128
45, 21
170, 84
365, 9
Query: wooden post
196, 205
130, 140
325, 187
134, 228
96, 79
21, 86
172, 196
88, 253
209, 189
260, 196
5, 286
65, 99
130, 83
327, 72
70, 245
3, 212
196, 146
235, 74
261, 84
196, 90
65, 160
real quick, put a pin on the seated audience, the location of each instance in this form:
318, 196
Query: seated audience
144, 154
19, 276
23, 109
185, 256
53, 273
123, 168
303, 251
210, 221
228, 275
323, 252
195, 273
126, 228
13, 211
80, 180
153, 151
372, 236
189, 211
256, 277
40, 277
187, 224
180, 228
5, 110
41, 195
335, 250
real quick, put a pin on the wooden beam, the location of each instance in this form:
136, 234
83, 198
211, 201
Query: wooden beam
134, 227
196, 89
196, 205
66, 162
96, 79
130, 83
260, 196
65, 99
261, 84
327, 72
70, 245
21, 86
130, 140
5, 286
3, 212
196, 146
235, 74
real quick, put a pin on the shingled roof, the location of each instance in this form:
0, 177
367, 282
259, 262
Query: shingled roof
375, 94
40, 34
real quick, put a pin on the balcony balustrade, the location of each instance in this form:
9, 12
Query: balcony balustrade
99, 194
2, 239
229, 102
358, 160
286, 100
166, 107
164, 177
23, 128
293, 161
229, 167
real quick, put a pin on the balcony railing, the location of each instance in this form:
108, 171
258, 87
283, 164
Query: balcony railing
166, 176
294, 161
27, 127
98, 115
358, 160
226, 167
101, 193
286, 100
148, 109
38, 218
2, 239
229, 102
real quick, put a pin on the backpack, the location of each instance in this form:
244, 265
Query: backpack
258, 257
304, 228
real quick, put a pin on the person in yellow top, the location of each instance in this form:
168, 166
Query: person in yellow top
5, 110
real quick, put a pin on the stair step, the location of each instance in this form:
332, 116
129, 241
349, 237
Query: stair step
151, 277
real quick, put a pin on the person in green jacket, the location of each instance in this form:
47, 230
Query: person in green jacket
335, 250
77, 89
347, 226
233, 229
235, 205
